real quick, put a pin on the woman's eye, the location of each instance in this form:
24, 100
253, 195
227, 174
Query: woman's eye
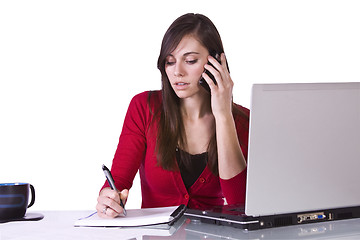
169, 63
192, 61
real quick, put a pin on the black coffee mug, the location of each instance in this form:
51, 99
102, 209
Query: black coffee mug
14, 199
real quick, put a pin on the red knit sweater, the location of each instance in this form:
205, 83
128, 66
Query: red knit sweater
159, 187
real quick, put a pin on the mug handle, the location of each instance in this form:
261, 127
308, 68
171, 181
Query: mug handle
32, 189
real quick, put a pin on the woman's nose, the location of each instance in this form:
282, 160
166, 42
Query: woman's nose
179, 70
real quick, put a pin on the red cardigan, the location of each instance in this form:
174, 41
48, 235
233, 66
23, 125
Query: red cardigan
159, 187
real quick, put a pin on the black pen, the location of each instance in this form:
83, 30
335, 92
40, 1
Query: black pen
112, 184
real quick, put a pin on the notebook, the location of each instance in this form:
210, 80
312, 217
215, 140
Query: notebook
162, 217
303, 157
137, 231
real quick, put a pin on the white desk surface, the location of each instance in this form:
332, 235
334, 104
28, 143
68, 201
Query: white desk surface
59, 225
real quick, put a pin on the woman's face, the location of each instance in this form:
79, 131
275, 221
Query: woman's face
185, 65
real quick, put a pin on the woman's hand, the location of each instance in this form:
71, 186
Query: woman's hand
108, 205
231, 160
221, 93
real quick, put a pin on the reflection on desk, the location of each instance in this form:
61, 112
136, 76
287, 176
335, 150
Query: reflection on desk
59, 225
326, 230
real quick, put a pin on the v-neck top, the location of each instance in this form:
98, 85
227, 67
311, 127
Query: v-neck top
136, 152
191, 173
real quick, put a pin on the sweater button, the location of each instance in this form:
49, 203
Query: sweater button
202, 180
186, 196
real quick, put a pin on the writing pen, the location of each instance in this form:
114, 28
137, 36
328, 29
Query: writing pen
112, 184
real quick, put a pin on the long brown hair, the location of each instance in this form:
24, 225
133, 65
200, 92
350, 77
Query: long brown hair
171, 132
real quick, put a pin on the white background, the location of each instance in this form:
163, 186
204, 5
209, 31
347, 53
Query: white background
69, 68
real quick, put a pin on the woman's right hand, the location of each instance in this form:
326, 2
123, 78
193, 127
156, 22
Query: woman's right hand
108, 202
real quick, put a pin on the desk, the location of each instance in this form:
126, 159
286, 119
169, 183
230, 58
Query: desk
59, 225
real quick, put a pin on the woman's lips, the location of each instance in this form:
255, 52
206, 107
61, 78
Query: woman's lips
181, 85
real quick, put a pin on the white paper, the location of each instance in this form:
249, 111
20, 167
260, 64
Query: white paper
135, 217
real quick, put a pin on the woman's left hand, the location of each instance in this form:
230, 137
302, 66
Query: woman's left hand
221, 93
231, 160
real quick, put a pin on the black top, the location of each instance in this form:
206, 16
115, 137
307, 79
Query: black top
197, 164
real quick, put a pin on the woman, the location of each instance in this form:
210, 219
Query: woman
187, 143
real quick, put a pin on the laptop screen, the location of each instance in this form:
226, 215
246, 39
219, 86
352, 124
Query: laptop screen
304, 148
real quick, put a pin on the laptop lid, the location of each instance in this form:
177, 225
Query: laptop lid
304, 148
303, 157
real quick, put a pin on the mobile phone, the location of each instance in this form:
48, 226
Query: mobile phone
202, 81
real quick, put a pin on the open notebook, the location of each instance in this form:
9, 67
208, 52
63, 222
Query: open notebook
164, 216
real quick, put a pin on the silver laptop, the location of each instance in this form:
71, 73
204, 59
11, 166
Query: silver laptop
303, 159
